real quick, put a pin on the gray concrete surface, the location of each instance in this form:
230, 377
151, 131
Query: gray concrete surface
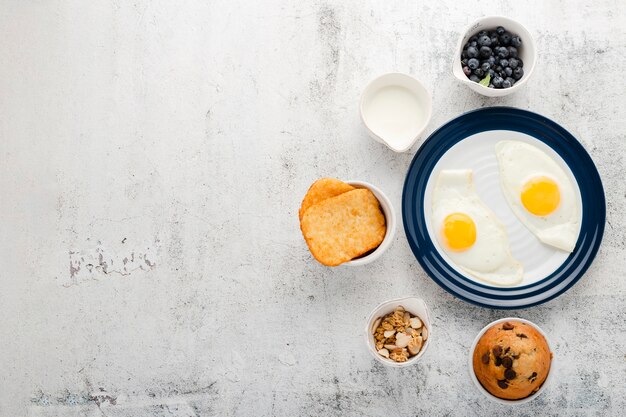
153, 156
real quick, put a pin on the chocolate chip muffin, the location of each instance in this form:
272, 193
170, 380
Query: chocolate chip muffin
512, 360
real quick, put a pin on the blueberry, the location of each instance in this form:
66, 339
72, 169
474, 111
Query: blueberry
512, 51
511, 80
498, 68
491, 86
464, 54
503, 52
464, 62
504, 63
485, 66
467, 71
497, 81
492, 73
491, 60
484, 40
513, 63
494, 39
508, 71
521, 63
473, 38
473, 63
482, 33
479, 72
516, 41
485, 51
474, 78
505, 38
500, 30
473, 43
506, 84
518, 73
472, 52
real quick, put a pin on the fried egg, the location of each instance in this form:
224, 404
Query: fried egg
470, 233
540, 193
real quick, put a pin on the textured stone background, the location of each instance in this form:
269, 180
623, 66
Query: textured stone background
153, 157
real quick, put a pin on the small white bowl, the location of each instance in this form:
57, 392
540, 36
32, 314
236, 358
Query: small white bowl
487, 393
406, 88
390, 220
413, 305
528, 53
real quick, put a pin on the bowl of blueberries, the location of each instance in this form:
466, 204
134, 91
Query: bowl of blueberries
495, 56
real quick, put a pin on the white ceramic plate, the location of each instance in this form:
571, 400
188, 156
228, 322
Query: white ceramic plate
477, 153
468, 142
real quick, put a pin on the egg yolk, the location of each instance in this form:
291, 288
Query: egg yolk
541, 196
459, 231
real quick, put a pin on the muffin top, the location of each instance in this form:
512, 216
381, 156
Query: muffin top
512, 360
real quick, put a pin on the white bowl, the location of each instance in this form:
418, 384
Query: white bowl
413, 305
390, 220
411, 87
487, 393
527, 52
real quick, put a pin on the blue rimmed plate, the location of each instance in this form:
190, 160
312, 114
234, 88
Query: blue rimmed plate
467, 142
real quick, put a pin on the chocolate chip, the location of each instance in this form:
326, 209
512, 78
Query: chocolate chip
498, 361
507, 326
507, 362
503, 384
522, 336
533, 376
507, 349
485, 358
497, 351
510, 374
515, 356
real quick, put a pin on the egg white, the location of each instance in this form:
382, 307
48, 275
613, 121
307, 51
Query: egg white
518, 163
490, 258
